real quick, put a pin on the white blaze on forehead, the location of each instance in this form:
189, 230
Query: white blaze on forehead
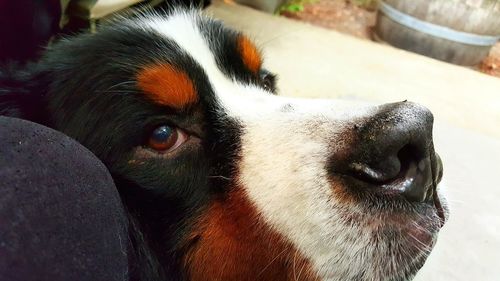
283, 158
183, 28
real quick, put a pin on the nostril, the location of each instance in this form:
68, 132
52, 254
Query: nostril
407, 172
390, 169
407, 155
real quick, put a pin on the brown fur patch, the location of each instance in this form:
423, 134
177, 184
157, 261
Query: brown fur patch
166, 85
232, 243
249, 53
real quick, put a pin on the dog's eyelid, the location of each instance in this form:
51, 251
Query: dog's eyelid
163, 121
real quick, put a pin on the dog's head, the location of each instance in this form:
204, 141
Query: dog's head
223, 179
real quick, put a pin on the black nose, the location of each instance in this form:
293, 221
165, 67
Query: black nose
393, 151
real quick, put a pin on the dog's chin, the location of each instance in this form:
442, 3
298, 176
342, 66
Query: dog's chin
403, 235
398, 235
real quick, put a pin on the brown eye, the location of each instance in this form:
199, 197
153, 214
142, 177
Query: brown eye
166, 138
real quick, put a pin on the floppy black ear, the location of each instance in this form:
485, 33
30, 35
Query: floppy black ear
22, 92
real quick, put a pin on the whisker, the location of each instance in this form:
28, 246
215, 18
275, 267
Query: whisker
294, 266
121, 92
301, 269
128, 82
425, 248
276, 257
220, 177
264, 43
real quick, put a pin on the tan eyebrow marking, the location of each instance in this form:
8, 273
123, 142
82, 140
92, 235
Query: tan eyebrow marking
249, 53
166, 85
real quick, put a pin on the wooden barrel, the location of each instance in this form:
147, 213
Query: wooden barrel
270, 6
456, 31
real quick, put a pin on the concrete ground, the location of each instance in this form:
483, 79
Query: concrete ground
315, 62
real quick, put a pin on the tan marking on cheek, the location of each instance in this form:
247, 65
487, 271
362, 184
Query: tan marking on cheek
233, 244
166, 85
249, 53
341, 193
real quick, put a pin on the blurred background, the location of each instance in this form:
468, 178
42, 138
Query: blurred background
463, 32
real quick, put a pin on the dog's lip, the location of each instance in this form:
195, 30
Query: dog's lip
432, 202
439, 208
438, 175
416, 179
393, 190
400, 213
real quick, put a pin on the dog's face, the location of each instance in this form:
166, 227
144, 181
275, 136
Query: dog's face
228, 181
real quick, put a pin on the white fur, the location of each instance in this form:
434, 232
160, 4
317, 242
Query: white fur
284, 155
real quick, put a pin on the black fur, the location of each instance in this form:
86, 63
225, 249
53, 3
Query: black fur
85, 87
223, 43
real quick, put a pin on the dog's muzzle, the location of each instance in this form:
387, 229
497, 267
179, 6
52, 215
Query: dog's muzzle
392, 153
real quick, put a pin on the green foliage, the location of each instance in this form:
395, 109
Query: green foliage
294, 6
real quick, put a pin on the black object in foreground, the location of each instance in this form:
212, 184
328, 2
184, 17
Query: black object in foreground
61, 217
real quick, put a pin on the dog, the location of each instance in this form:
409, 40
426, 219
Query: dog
222, 178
